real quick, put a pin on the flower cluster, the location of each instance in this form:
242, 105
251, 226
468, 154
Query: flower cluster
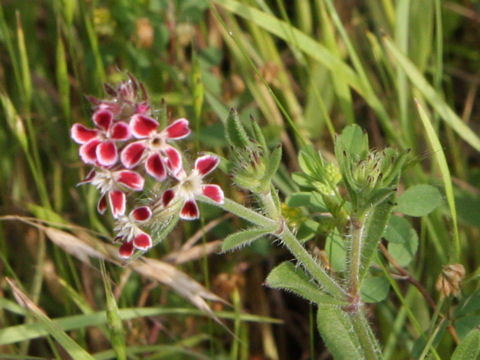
123, 147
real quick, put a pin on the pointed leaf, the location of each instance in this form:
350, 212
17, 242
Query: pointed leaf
273, 163
243, 238
335, 327
373, 229
258, 134
290, 278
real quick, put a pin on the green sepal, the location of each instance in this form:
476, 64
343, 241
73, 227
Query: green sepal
380, 195
243, 238
336, 328
302, 180
290, 278
351, 147
235, 132
354, 141
275, 197
258, 135
391, 177
272, 164
311, 163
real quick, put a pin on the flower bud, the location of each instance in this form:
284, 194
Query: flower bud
448, 282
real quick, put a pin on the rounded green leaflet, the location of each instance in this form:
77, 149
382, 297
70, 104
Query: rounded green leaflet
403, 240
419, 200
374, 289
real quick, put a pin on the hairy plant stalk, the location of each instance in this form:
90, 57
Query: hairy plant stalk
290, 241
243, 212
355, 256
312, 266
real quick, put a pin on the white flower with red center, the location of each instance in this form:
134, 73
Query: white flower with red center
128, 229
153, 148
98, 145
111, 184
192, 185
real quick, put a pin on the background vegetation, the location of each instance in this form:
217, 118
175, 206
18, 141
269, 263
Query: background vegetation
304, 70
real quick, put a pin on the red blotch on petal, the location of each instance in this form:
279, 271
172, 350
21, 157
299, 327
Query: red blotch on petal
142, 126
126, 250
102, 205
81, 134
120, 131
142, 241
103, 119
132, 154
141, 214
174, 160
206, 164
107, 154
213, 192
130, 179
155, 167
117, 200
178, 129
88, 152
190, 211
167, 196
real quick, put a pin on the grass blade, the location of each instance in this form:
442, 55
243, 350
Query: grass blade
19, 333
433, 97
49, 326
447, 180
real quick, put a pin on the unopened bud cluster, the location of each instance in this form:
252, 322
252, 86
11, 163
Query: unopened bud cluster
126, 145
368, 173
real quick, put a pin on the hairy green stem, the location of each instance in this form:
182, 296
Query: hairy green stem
243, 212
311, 265
357, 234
290, 241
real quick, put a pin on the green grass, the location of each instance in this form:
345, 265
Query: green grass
304, 70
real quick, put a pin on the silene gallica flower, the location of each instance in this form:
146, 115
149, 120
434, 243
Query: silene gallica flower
112, 186
153, 148
98, 145
191, 185
129, 231
126, 131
